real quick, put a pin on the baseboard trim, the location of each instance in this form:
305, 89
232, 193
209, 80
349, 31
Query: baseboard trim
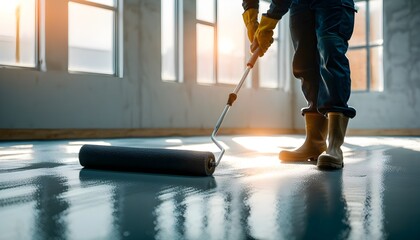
56, 134
383, 132
375, 132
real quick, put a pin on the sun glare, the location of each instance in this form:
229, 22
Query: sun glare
7, 5
226, 46
211, 147
7, 12
267, 144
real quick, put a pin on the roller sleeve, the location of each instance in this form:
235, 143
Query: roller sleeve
157, 160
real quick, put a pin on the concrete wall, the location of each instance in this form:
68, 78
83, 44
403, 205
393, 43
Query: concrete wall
398, 106
57, 99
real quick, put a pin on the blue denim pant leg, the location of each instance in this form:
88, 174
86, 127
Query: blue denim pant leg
320, 37
306, 57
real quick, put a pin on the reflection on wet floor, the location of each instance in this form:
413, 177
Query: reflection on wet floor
46, 194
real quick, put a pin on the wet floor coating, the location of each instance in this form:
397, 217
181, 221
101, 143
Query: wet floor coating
46, 194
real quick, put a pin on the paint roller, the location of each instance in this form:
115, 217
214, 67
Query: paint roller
158, 160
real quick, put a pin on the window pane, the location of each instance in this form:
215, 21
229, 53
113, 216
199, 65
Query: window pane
111, 3
376, 21
205, 54
231, 44
376, 77
269, 64
18, 33
358, 65
359, 34
168, 48
206, 10
269, 67
91, 39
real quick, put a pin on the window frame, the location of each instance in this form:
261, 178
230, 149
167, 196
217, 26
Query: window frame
368, 46
117, 56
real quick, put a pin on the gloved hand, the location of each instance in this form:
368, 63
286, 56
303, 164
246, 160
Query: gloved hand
264, 35
250, 17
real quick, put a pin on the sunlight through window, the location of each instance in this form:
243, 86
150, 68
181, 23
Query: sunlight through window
92, 38
211, 147
220, 42
18, 33
269, 64
168, 40
17, 152
230, 41
111, 3
205, 54
366, 47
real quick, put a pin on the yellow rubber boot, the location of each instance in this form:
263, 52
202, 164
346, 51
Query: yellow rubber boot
315, 142
333, 157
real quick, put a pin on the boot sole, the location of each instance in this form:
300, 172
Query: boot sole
311, 158
327, 162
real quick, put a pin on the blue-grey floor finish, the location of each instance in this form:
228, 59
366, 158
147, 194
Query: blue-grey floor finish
46, 194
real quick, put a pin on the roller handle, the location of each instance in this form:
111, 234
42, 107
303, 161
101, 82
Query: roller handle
253, 58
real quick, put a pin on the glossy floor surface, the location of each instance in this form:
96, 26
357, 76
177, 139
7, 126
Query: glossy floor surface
46, 194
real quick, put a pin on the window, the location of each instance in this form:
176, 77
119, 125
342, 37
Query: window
231, 41
220, 52
223, 48
366, 47
94, 30
171, 40
206, 32
18, 33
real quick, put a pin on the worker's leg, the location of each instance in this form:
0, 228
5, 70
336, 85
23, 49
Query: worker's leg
306, 57
334, 27
306, 68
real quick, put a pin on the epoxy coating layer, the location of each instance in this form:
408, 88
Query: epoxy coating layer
46, 194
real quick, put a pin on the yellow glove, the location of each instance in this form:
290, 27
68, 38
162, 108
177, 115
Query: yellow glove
264, 35
250, 17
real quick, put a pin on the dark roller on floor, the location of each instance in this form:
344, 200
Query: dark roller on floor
149, 160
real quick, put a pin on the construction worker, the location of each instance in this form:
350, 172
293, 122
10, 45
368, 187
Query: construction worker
320, 31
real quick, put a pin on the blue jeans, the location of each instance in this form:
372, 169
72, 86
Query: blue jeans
320, 37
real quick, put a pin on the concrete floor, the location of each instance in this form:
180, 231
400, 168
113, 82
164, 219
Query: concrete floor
45, 193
